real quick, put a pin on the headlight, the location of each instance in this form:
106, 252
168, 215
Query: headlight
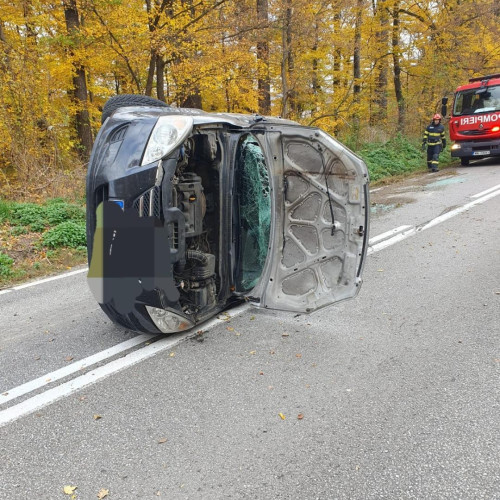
168, 322
456, 146
168, 133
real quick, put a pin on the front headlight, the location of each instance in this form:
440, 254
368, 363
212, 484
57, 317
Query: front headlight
168, 133
456, 146
168, 322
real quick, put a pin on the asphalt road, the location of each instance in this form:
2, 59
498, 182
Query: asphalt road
392, 395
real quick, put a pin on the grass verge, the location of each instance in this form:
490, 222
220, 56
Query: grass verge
36, 240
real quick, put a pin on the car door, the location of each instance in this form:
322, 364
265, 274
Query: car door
319, 229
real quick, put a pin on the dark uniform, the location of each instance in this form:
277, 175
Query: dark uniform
436, 142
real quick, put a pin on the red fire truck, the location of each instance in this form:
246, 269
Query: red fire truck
475, 119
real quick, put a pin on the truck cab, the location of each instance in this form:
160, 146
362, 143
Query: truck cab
475, 119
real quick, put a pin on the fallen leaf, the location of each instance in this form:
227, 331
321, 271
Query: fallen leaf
68, 358
272, 352
261, 373
102, 493
83, 398
68, 490
284, 334
252, 318
300, 416
162, 440
97, 417
172, 354
230, 328
298, 355
380, 270
282, 416
253, 352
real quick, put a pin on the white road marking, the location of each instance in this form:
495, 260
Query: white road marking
412, 230
50, 396
41, 400
44, 280
478, 195
388, 234
72, 368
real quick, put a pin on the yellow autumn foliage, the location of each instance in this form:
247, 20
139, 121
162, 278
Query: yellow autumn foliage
205, 54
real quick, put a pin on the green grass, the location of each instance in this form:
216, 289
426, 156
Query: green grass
398, 156
38, 239
38, 218
6, 263
69, 234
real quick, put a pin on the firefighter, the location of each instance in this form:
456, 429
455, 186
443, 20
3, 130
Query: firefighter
435, 140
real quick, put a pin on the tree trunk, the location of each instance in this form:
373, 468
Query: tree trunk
79, 92
151, 73
160, 78
357, 50
264, 81
380, 100
287, 61
397, 66
316, 87
337, 55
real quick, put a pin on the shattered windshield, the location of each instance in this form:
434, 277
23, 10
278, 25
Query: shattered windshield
254, 208
480, 100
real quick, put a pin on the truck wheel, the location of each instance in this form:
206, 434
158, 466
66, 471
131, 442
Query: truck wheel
464, 161
122, 100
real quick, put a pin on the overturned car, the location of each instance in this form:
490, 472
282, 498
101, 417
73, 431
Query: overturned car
189, 212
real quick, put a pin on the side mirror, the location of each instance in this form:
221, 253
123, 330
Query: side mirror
444, 109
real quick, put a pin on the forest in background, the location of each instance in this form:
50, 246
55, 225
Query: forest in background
367, 71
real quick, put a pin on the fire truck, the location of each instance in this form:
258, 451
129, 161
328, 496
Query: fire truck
475, 119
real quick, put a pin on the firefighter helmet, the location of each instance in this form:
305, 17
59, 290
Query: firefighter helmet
437, 116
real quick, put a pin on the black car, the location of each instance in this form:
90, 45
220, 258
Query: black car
189, 212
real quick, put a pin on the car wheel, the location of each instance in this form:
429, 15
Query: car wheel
464, 161
122, 100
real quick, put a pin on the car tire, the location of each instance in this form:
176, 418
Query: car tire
464, 161
122, 100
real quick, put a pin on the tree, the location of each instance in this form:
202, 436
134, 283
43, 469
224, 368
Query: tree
79, 91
